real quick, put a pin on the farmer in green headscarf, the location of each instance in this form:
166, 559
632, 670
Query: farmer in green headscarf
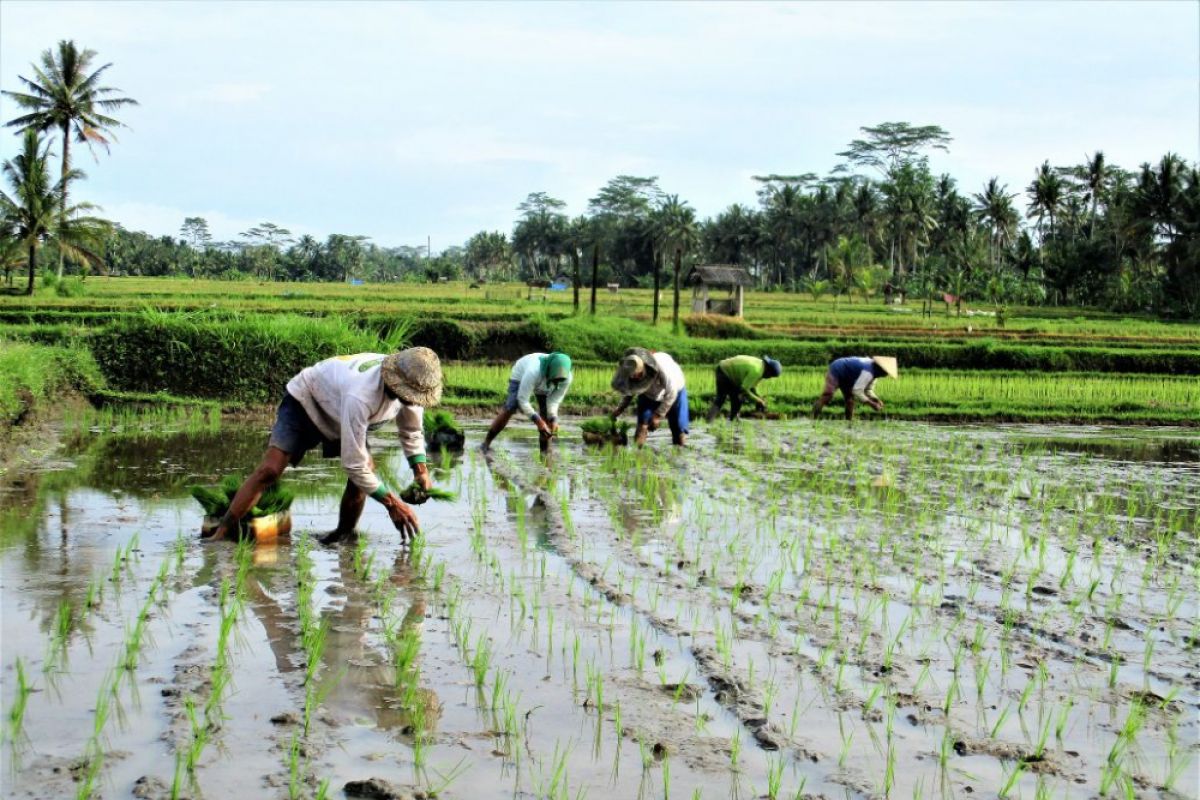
737, 378
546, 376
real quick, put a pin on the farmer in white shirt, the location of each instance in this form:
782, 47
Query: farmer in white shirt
658, 383
333, 404
856, 377
545, 376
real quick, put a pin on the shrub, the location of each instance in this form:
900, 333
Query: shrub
447, 338
70, 287
247, 358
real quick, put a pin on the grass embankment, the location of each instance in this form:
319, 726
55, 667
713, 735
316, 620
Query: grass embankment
32, 375
239, 343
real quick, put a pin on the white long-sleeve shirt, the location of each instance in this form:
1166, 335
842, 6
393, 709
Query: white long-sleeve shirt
528, 372
344, 397
668, 381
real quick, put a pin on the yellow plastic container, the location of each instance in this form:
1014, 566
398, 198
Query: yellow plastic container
261, 529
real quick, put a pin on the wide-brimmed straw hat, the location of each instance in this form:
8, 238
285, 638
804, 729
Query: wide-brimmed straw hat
635, 360
889, 365
414, 375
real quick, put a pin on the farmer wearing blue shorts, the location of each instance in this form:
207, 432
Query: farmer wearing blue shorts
544, 376
658, 383
332, 405
855, 377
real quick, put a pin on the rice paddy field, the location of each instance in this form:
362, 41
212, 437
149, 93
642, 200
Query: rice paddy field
782, 609
990, 589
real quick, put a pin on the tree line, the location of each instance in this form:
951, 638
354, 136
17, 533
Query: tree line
1091, 233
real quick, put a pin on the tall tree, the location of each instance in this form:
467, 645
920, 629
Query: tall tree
33, 213
888, 145
993, 207
65, 95
679, 234
1045, 197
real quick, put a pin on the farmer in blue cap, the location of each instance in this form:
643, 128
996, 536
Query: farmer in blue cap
856, 377
737, 378
546, 376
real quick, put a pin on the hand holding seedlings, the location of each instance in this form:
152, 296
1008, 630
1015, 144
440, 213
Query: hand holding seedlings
402, 516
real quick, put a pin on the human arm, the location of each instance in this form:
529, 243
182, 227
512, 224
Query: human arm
671, 387
525, 390
412, 441
624, 404
555, 398
864, 391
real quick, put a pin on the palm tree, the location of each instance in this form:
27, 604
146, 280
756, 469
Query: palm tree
33, 212
679, 232
1095, 175
993, 206
1045, 196
65, 97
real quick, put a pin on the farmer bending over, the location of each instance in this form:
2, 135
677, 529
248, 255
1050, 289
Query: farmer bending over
856, 378
546, 376
658, 383
736, 379
333, 404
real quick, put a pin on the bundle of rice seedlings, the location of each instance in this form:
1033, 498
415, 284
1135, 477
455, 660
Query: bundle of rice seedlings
275, 498
442, 432
416, 494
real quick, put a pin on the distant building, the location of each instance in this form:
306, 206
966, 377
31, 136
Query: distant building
718, 289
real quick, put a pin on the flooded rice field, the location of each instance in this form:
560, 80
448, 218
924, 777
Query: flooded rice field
781, 610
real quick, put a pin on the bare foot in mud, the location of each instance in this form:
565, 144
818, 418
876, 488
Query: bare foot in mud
337, 537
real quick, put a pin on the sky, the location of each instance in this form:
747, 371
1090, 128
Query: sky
413, 122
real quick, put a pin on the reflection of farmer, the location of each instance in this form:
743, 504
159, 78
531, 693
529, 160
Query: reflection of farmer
856, 378
737, 378
544, 376
658, 383
334, 404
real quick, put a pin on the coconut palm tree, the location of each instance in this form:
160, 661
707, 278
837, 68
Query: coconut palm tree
1045, 196
65, 95
678, 232
993, 206
33, 213
1096, 175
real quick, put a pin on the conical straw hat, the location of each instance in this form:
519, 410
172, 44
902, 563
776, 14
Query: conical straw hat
415, 375
889, 365
635, 359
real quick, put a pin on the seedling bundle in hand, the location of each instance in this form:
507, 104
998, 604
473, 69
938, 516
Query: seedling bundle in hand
275, 499
416, 494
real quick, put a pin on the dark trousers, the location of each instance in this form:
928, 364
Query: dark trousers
727, 390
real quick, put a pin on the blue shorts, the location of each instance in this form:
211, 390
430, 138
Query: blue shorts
295, 433
677, 417
511, 404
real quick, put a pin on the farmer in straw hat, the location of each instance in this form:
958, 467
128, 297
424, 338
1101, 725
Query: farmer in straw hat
658, 383
737, 378
546, 376
333, 404
856, 376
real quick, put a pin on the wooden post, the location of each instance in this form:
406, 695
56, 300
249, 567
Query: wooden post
595, 272
678, 259
575, 266
739, 298
657, 282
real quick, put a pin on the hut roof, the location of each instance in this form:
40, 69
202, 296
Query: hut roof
720, 275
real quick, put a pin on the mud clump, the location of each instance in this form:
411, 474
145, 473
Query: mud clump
380, 789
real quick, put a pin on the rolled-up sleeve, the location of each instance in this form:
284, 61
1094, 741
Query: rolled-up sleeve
525, 392
862, 386
410, 425
555, 398
355, 458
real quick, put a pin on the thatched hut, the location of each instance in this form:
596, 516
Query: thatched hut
718, 289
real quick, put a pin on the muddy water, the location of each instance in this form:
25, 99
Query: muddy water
782, 609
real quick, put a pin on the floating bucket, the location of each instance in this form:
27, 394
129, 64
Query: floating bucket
261, 529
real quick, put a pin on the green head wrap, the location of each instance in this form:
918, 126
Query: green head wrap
556, 366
